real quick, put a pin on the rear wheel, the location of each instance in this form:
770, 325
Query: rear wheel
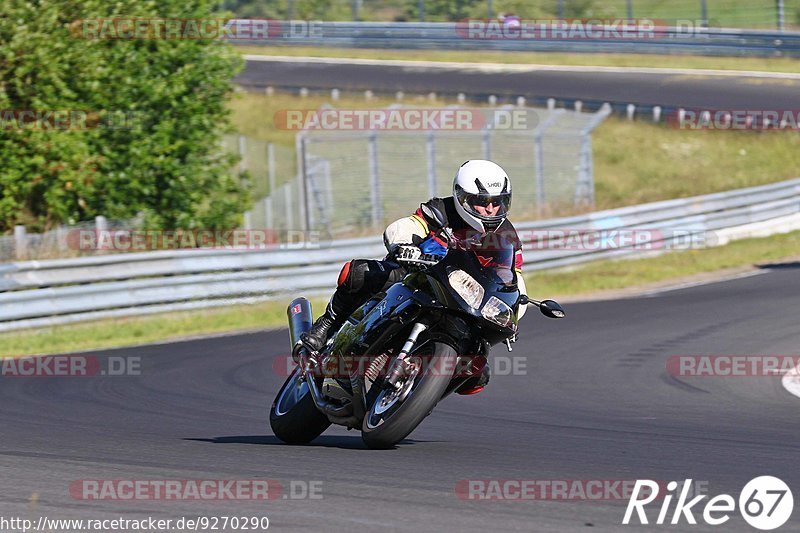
393, 415
294, 417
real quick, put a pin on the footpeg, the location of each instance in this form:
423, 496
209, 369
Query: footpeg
305, 358
335, 391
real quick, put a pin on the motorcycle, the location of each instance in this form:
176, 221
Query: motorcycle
403, 350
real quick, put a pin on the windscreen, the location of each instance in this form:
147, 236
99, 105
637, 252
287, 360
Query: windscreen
494, 251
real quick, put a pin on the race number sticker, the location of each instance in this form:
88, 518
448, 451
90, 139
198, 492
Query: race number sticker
766, 503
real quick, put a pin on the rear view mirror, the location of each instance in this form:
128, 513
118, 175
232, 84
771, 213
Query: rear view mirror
434, 214
551, 309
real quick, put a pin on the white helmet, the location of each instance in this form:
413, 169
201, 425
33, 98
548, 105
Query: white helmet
478, 184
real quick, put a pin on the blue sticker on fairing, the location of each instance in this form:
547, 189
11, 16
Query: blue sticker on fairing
433, 247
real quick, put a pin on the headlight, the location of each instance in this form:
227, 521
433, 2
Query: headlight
498, 312
466, 287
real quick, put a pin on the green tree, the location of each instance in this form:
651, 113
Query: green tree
163, 159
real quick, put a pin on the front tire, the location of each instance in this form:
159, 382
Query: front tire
384, 426
293, 417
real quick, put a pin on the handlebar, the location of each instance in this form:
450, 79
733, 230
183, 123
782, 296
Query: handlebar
549, 308
420, 261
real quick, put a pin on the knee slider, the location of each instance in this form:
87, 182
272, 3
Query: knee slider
353, 275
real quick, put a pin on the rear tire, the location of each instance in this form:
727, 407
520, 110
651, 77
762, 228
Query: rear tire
384, 430
293, 417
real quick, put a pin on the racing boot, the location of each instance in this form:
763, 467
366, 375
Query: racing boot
314, 339
331, 320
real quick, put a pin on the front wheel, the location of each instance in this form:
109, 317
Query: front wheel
294, 417
393, 415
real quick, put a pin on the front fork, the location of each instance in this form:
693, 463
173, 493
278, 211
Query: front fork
403, 365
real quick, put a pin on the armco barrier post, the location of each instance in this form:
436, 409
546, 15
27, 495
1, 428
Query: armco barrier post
538, 160
271, 166
302, 176
374, 180
269, 220
430, 144
101, 223
287, 205
584, 190
20, 243
704, 12
61, 238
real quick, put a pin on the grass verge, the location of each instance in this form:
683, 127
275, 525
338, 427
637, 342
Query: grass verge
778, 64
612, 275
110, 333
587, 279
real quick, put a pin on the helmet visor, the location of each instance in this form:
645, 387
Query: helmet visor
485, 206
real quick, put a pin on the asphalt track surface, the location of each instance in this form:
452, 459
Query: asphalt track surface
670, 90
594, 403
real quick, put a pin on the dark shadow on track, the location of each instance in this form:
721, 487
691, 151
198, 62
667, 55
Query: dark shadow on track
780, 266
346, 442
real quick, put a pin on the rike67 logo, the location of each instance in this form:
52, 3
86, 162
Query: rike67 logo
765, 503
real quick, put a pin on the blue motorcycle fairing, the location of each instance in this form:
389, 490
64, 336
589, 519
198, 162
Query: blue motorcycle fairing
433, 247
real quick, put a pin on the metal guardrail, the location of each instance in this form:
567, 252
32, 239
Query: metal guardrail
37, 293
454, 36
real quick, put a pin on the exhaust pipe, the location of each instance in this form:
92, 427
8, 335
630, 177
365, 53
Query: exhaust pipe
300, 321
300, 318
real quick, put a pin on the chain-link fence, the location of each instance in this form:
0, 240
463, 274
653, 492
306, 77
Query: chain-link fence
272, 171
356, 182
60, 242
281, 211
268, 165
